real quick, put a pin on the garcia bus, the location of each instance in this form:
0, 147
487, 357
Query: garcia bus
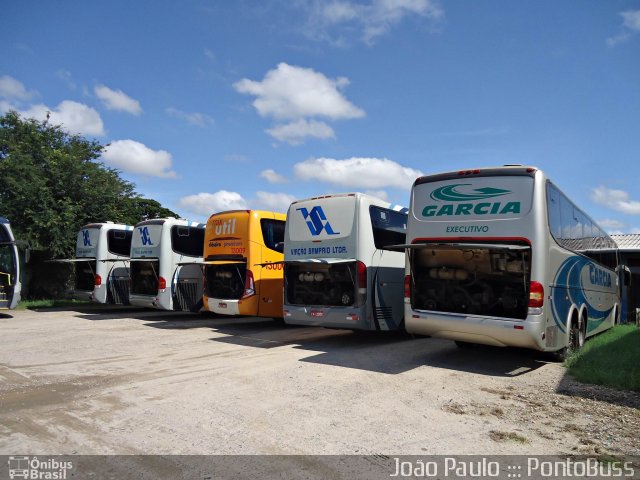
243, 263
10, 274
166, 264
501, 256
101, 272
338, 272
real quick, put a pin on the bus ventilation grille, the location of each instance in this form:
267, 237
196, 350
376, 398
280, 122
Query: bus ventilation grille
119, 291
384, 313
188, 294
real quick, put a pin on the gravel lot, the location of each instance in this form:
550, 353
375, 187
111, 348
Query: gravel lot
126, 381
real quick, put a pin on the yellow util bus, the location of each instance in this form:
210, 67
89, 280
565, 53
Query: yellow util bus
243, 263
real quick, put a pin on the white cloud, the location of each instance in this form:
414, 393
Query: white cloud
74, 117
297, 96
135, 157
193, 118
370, 20
117, 100
210, 203
13, 89
369, 173
618, 200
276, 202
609, 223
271, 176
630, 26
295, 133
290, 92
67, 78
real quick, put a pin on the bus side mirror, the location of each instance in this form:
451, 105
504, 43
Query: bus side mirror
27, 250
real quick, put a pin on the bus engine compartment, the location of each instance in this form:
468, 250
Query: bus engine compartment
490, 280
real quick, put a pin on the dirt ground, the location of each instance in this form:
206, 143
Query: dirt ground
128, 381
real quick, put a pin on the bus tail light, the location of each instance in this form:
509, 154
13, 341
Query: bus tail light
162, 283
361, 279
536, 295
407, 286
249, 286
97, 280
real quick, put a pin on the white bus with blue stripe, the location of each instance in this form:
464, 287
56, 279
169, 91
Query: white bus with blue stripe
101, 264
166, 264
337, 270
500, 256
10, 281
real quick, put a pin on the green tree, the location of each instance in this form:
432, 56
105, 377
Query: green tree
52, 183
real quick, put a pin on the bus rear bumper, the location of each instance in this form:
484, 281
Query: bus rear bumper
222, 306
475, 329
330, 317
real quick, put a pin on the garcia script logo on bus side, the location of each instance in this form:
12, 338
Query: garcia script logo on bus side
458, 202
317, 221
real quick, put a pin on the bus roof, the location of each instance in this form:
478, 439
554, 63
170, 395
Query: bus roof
505, 170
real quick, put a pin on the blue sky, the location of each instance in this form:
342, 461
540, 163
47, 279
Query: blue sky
213, 105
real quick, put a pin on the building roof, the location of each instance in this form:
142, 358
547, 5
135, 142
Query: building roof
628, 242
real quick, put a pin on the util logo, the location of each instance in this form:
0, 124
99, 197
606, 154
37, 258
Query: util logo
145, 236
86, 239
225, 227
317, 221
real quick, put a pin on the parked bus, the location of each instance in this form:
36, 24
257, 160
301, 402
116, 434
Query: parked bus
10, 281
166, 264
101, 264
338, 271
500, 256
243, 263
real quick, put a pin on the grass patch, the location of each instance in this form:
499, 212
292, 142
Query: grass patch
611, 358
50, 303
498, 436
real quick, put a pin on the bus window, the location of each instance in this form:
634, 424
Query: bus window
273, 234
187, 240
389, 226
119, 242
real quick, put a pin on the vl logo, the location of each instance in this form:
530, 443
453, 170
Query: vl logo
449, 193
86, 239
144, 234
315, 219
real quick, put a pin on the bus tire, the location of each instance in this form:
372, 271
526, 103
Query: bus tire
461, 344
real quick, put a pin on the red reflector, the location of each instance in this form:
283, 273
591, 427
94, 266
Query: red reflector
536, 295
518, 327
97, 280
407, 286
162, 283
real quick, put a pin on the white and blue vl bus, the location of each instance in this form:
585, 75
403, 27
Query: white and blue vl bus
337, 270
166, 264
500, 256
101, 264
10, 282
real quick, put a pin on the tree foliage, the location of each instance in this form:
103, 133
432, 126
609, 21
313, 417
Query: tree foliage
52, 183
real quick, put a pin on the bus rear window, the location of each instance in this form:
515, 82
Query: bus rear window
119, 242
187, 240
389, 226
